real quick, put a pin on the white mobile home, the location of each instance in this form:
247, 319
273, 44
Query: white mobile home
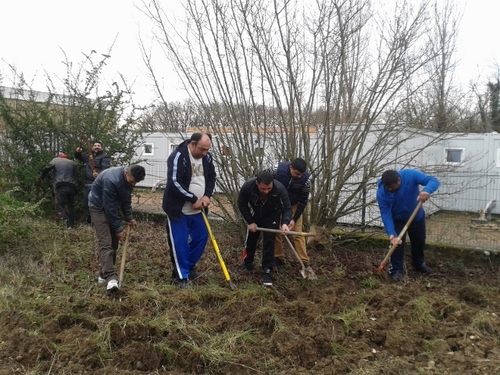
468, 166
153, 155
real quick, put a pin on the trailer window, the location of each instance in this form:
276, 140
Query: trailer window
148, 149
454, 155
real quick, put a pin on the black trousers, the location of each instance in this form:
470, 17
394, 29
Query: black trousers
65, 203
416, 232
268, 238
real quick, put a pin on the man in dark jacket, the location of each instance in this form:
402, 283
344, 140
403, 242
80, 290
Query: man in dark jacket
190, 185
111, 193
262, 201
296, 180
65, 181
95, 163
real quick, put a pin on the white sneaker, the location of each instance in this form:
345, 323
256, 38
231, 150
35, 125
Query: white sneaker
100, 280
112, 285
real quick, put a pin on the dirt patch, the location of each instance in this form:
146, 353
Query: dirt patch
351, 320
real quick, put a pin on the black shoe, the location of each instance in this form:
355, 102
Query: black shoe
183, 283
245, 268
424, 268
266, 278
398, 277
174, 275
193, 275
279, 262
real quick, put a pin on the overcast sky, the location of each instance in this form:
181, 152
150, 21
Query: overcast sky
35, 32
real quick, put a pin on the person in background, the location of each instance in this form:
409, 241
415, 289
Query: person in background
190, 184
296, 180
95, 163
263, 202
65, 182
110, 195
398, 195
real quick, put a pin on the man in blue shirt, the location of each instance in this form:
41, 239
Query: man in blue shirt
262, 201
398, 195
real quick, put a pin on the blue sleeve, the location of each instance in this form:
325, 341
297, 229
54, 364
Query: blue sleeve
430, 183
386, 212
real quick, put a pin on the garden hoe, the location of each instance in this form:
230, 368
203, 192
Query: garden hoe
217, 252
316, 236
307, 273
388, 256
124, 256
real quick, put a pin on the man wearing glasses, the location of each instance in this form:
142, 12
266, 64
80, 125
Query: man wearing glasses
111, 193
190, 184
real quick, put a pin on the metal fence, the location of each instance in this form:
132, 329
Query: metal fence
463, 212
456, 213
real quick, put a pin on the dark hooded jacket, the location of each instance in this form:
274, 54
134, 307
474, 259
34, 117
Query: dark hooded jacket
250, 205
179, 175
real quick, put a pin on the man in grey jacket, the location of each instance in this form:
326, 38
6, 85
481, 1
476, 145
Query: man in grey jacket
111, 193
65, 181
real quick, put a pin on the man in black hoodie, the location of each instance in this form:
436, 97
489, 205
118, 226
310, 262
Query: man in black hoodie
262, 201
190, 184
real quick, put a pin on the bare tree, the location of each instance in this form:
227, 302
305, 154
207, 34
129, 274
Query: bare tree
278, 79
170, 117
439, 104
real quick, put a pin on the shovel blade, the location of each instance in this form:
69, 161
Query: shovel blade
311, 275
231, 285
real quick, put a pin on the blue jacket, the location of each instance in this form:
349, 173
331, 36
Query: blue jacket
399, 205
179, 175
111, 192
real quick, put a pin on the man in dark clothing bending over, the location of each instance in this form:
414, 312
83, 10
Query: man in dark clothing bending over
262, 201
